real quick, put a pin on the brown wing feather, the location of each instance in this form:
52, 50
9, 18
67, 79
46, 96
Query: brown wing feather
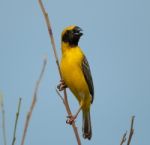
88, 77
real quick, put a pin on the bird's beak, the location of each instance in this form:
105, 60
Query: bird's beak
78, 31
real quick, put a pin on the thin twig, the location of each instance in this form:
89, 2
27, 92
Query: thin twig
3, 121
50, 32
123, 138
131, 131
61, 97
29, 114
45, 14
16, 122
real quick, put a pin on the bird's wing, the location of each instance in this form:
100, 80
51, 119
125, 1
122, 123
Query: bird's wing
88, 77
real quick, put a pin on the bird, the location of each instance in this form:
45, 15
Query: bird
76, 75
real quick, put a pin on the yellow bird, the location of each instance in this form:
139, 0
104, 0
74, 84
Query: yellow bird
76, 76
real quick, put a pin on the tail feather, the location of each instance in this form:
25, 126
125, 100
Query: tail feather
86, 125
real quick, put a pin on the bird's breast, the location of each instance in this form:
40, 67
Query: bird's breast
72, 74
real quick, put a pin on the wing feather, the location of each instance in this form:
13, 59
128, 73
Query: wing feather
88, 77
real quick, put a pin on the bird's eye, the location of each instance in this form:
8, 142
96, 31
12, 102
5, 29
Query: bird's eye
75, 31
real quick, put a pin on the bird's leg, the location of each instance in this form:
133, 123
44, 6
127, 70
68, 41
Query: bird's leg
72, 118
62, 85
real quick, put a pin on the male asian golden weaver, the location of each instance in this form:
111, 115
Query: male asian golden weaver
76, 75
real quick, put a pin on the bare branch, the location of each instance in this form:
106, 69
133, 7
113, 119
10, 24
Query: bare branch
3, 121
29, 114
61, 97
131, 130
50, 32
123, 138
45, 14
16, 121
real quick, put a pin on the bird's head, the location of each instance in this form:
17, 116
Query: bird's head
71, 35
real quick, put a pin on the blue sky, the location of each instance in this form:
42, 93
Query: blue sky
116, 43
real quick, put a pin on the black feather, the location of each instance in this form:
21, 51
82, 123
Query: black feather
88, 77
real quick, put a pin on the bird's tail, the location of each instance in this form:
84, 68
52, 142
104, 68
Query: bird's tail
86, 125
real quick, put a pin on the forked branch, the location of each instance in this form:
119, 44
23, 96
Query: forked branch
123, 140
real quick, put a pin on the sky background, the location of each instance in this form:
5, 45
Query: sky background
116, 42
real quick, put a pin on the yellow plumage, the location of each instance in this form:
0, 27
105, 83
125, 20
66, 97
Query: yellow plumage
73, 75
71, 66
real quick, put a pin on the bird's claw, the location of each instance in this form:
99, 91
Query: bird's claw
62, 85
70, 119
69, 116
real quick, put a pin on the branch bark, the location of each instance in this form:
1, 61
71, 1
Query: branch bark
16, 122
131, 130
45, 14
3, 120
123, 140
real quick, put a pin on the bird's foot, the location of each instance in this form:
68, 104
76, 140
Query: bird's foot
62, 85
70, 119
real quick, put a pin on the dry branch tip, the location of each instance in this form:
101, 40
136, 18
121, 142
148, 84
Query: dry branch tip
29, 114
16, 121
123, 140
